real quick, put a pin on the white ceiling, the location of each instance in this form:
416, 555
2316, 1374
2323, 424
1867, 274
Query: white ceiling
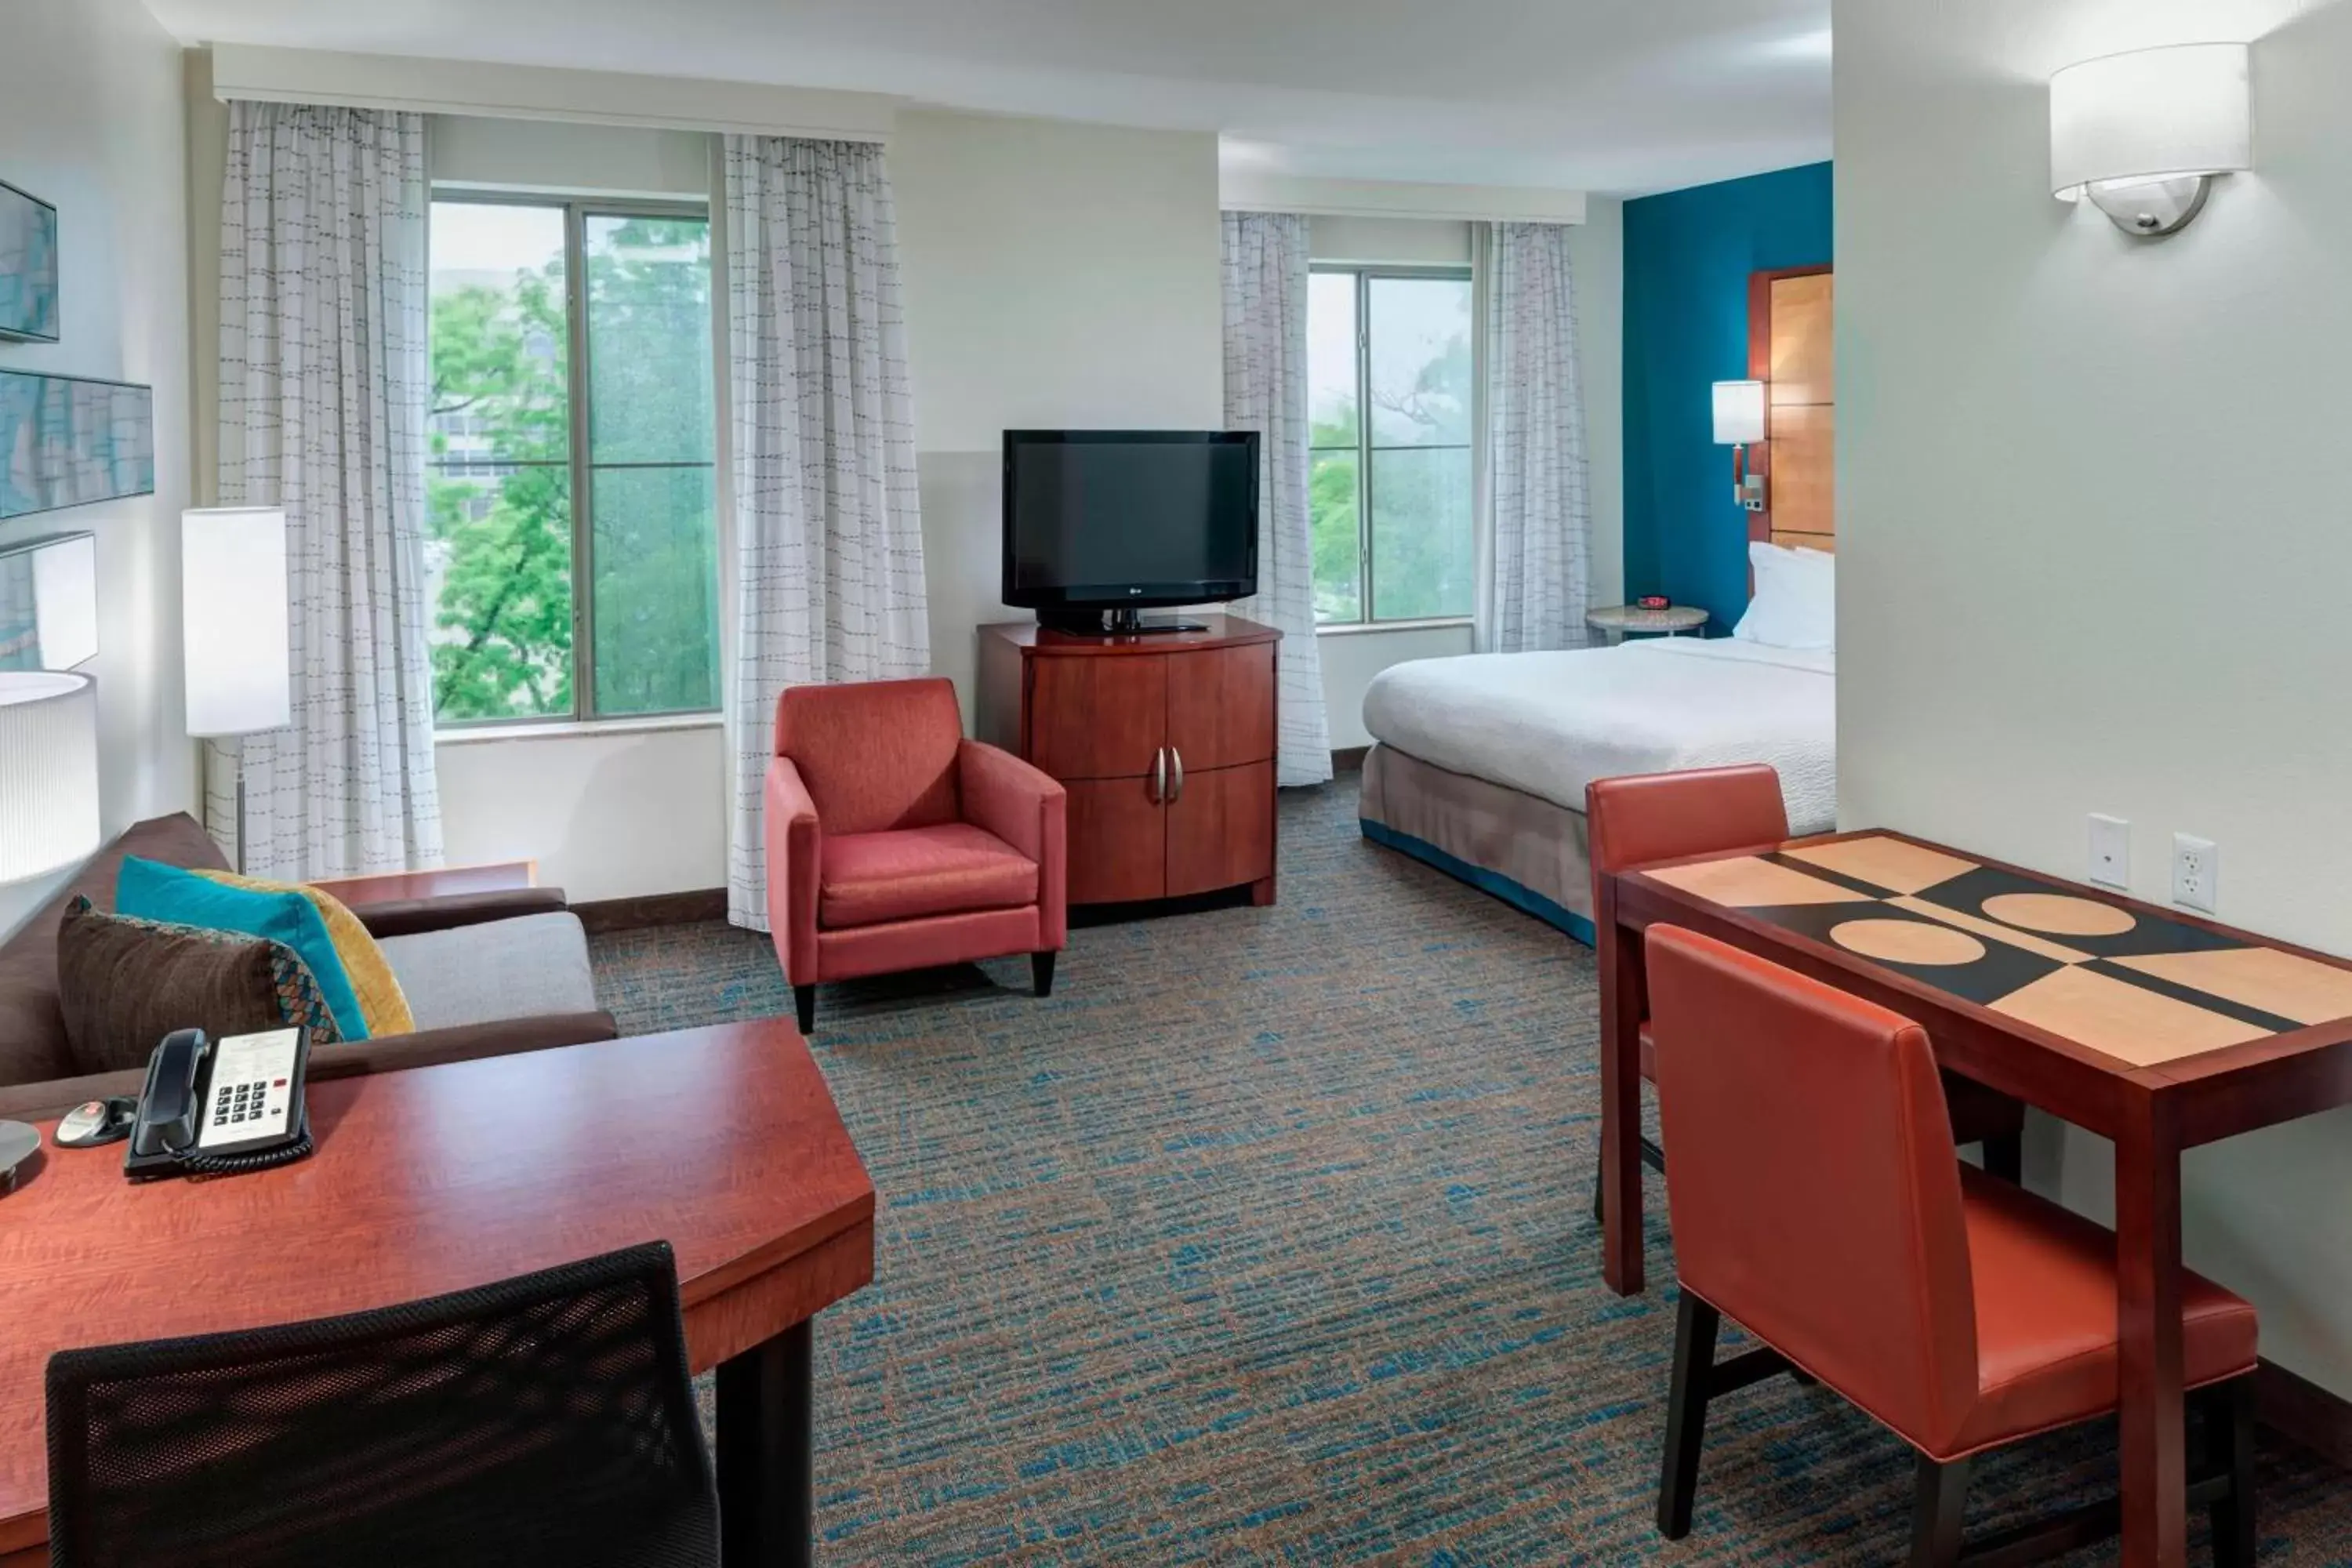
1619, 96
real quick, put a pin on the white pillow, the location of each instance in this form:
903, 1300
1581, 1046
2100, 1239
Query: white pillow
1796, 598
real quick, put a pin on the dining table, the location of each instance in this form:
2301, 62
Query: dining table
2156, 1029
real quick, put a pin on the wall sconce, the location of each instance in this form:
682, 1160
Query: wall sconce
1739, 425
2141, 135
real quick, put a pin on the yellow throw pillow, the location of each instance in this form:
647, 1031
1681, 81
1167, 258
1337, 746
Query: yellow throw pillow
372, 981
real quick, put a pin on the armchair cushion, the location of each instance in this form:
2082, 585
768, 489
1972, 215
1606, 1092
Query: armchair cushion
872, 878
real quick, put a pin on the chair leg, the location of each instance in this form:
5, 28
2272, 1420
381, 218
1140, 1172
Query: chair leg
2004, 1156
1696, 1323
1939, 1501
804, 1006
2230, 1434
1652, 1155
1041, 973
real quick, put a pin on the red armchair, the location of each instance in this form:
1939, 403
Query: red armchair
894, 843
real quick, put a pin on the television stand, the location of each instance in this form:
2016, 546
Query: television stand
1114, 623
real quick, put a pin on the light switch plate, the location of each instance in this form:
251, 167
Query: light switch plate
2196, 871
2110, 850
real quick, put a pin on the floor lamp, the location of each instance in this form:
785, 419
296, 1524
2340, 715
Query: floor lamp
235, 620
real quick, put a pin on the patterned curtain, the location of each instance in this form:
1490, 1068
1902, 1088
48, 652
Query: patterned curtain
1536, 587
323, 393
1265, 390
828, 540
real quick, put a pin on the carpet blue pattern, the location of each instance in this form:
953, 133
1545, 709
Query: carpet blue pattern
1265, 1239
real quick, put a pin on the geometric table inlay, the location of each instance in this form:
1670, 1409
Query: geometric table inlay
2060, 914
2139, 987
1908, 941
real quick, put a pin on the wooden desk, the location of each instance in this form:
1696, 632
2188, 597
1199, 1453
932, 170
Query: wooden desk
389, 887
2158, 1030
722, 1142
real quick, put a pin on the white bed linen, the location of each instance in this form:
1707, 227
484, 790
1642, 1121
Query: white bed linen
1548, 724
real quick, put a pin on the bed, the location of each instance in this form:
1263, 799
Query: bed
1481, 760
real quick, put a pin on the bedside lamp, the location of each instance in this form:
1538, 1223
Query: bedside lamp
1739, 425
236, 626
48, 771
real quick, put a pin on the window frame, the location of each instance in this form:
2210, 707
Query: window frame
1364, 273
579, 427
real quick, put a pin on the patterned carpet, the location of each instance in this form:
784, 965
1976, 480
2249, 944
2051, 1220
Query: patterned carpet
1265, 1238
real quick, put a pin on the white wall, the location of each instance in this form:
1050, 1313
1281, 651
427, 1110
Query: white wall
1056, 275
620, 814
2093, 525
90, 120
1353, 656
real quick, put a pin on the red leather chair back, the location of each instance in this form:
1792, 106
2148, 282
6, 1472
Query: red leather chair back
1814, 1187
1643, 817
877, 756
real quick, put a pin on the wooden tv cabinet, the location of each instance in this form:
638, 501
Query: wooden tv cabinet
1165, 741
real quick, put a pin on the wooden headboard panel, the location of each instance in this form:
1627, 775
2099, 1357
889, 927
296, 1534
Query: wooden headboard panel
1790, 349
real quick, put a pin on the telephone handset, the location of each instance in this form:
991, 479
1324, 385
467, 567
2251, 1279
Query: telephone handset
220, 1108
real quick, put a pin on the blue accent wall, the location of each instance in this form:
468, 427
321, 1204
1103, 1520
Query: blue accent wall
1687, 258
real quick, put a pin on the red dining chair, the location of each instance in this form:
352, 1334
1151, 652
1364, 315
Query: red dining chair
1961, 1311
894, 843
1639, 819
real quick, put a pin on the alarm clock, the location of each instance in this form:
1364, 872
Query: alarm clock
1655, 602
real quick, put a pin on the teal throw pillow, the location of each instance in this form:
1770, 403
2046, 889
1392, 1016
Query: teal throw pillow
149, 890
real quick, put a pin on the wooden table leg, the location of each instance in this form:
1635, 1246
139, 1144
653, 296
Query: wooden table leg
2147, 1307
1619, 955
766, 1439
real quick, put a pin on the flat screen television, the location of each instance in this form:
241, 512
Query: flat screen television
1099, 525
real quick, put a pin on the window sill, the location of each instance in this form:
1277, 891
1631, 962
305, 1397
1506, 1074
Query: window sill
1362, 628
575, 728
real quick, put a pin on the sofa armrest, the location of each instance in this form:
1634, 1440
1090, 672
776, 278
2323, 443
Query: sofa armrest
55, 1097
427, 1048
463, 1043
1028, 809
795, 849
406, 917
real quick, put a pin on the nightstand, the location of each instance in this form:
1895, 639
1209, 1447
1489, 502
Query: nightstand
1620, 619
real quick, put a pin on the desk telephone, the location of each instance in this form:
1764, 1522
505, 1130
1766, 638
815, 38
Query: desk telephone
219, 1109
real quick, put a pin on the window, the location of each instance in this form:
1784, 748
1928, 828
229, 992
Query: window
1389, 489
572, 546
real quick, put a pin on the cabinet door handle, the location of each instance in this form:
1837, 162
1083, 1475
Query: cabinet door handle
1176, 790
1159, 776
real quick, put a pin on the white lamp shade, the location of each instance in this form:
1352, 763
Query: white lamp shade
233, 619
1738, 413
48, 771
2152, 114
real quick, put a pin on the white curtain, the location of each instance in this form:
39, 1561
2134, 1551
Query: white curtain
323, 391
1265, 390
1536, 590
828, 538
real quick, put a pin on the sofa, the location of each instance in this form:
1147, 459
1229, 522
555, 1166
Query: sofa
486, 975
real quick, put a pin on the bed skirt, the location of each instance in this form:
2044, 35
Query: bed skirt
1524, 850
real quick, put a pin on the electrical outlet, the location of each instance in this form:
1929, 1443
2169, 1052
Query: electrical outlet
2196, 871
2110, 850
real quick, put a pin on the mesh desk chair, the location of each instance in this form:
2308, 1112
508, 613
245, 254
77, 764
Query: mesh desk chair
542, 1420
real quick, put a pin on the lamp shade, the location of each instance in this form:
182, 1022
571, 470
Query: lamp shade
2152, 114
1738, 413
234, 617
48, 771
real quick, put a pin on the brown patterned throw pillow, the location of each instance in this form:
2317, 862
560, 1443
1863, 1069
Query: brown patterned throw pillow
125, 983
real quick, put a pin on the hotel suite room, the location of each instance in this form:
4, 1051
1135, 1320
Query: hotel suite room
1016, 1088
